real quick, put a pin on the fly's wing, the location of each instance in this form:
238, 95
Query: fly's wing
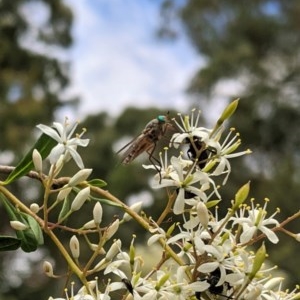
135, 147
145, 142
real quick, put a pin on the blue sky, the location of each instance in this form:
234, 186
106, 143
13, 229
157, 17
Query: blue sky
118, 61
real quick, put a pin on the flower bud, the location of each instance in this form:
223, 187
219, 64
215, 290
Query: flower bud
259, 259
74, 246
56, 166
241, 195
17, 225
228, 111
48, 269
80, 199
113, 250
79, 177
273, 283
170, 230
63, 193
136, 207
37, 160
94, 247
202, 214
254, 293
162, 281
112, 229
132, 252
97, 213
101, 265
34, 207
297, 237
89, 225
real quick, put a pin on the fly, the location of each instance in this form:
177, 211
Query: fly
146, 141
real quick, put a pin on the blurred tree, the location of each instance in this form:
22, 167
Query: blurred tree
33, 35
32, 78
253, 46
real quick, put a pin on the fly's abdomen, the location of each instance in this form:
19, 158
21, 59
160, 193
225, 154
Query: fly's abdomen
139, 146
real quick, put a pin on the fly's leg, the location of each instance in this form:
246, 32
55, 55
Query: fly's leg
154, 160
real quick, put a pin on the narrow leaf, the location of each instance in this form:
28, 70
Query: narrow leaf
97, 183
212, 203
10, 209
65, 209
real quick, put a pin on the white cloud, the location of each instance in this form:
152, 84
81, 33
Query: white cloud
117, 60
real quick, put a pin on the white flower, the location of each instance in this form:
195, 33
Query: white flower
255, 221
67, 145
224, 152
189, 128
209, 140
221, 254
184, 182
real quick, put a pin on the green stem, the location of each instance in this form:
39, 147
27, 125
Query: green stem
18, 203
167, 209
72, 265
95, 254
50, 233
139, 219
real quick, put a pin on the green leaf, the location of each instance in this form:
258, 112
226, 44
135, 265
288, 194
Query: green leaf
28, 241
65, 209
28, 237
97, 183
10, 209
44, 145
212, 203
9, 243
35, 227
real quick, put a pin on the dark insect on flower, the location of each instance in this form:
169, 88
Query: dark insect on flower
128, 285
187, 194
197, 151
146, 141
218, 290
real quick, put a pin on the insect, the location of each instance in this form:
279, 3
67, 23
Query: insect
197, 150
215, 289
146, 141
128, 285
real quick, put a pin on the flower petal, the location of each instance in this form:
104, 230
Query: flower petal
76, 157
50, 132
179, 203
55, 153
208, 267
272, 237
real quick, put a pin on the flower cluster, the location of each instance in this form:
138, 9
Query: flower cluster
201, 254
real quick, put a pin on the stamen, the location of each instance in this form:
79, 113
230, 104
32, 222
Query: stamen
197, 119
176, 122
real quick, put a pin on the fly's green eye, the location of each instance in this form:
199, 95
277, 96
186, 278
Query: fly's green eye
161, 119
